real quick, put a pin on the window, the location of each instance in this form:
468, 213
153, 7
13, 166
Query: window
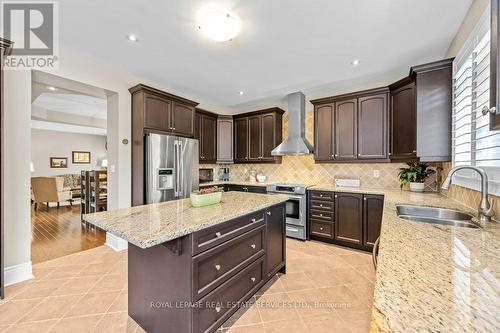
473, 143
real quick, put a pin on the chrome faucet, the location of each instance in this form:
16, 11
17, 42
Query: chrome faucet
485, 210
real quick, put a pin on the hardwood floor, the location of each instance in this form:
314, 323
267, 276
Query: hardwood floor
58, 232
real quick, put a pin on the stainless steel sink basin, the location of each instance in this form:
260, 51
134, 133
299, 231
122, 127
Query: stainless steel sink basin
435, 215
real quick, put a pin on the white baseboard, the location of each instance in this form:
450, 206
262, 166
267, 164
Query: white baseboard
116, 243
18, 273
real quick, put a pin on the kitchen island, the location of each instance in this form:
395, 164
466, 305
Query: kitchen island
190, 269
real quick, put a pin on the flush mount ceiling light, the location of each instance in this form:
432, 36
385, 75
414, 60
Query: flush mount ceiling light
219, 26
241, 92
132, 38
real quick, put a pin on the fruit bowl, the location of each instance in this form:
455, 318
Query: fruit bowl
206, 197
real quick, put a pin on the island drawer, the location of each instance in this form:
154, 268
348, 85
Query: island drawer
322, 205
322, 229
321, 215
211, 268
207, 238
321, 195
220, 304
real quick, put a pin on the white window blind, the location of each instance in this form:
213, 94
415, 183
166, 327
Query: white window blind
473, 142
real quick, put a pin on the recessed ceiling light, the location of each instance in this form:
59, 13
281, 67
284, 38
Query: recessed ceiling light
241, 92
219, 26
355, 62
132, 38
52, 88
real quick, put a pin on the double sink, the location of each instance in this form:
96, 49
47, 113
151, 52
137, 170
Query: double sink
435, 215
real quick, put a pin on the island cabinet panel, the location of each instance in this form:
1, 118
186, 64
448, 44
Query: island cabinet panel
346, 130
373, 206
372, 127
194, 283
275, 246
323, 132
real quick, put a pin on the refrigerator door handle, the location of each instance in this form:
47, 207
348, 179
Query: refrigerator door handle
181, 170
176, 165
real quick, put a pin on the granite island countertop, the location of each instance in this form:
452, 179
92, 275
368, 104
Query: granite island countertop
433, 278
149, 225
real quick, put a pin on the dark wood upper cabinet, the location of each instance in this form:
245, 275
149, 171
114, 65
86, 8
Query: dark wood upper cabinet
373, 206
352, 127
206, 133
156, 111
372, 127
495, 66
346, 130
323, 132
182, 119
349, 218
403, 121
241, 139
254, 138
256, 135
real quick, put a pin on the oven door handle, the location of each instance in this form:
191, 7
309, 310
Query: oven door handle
298, 197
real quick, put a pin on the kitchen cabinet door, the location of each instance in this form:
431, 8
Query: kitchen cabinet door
209, 139
241, 139
157, 112
275, 247
372, 127
269, 130
346, 129
373, 206
323, 132
225, 139
254, 138
182, 119
403, 123
197, 129
349, 218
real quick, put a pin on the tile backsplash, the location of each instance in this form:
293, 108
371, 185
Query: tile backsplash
302, 169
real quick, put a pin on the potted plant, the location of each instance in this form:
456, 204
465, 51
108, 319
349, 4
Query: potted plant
415, 174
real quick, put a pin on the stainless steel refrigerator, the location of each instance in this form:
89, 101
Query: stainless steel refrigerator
171, 167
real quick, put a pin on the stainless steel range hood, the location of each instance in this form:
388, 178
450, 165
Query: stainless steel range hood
296, 143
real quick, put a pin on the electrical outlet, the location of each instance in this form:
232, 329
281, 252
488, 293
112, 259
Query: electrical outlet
376, 173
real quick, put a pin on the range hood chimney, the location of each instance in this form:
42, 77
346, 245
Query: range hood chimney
296, 143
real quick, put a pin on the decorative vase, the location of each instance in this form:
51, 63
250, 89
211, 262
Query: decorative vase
417, 187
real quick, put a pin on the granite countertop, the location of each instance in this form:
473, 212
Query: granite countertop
150, 225
433, 278
234, 182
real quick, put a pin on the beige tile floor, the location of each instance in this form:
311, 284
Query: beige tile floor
326, 289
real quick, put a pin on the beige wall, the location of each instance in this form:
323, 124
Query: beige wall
46, 144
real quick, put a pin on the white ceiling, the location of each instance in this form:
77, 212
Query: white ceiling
285, 45
70, 128
82, 105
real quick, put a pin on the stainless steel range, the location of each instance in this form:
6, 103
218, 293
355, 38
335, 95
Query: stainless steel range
295, 207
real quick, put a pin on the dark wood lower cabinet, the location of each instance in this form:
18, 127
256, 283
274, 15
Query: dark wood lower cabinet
196, 282
246, 188
348, 219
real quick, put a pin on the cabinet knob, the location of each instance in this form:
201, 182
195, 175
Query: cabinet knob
336, 155
254, 220
414, 152
321, 195
336, 196
321, 228
253, 279
268, 213
333, 155
364, 199
390, 154
218, 234
321, 205
252, 246
217, 267
217, 308
173, 128
321, 215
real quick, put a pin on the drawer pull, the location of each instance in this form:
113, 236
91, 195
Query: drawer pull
218, 234
254, 220
321, 215
268, 213
321, 205
321, 195
217, 267
253, 279
217, 308
252, 246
